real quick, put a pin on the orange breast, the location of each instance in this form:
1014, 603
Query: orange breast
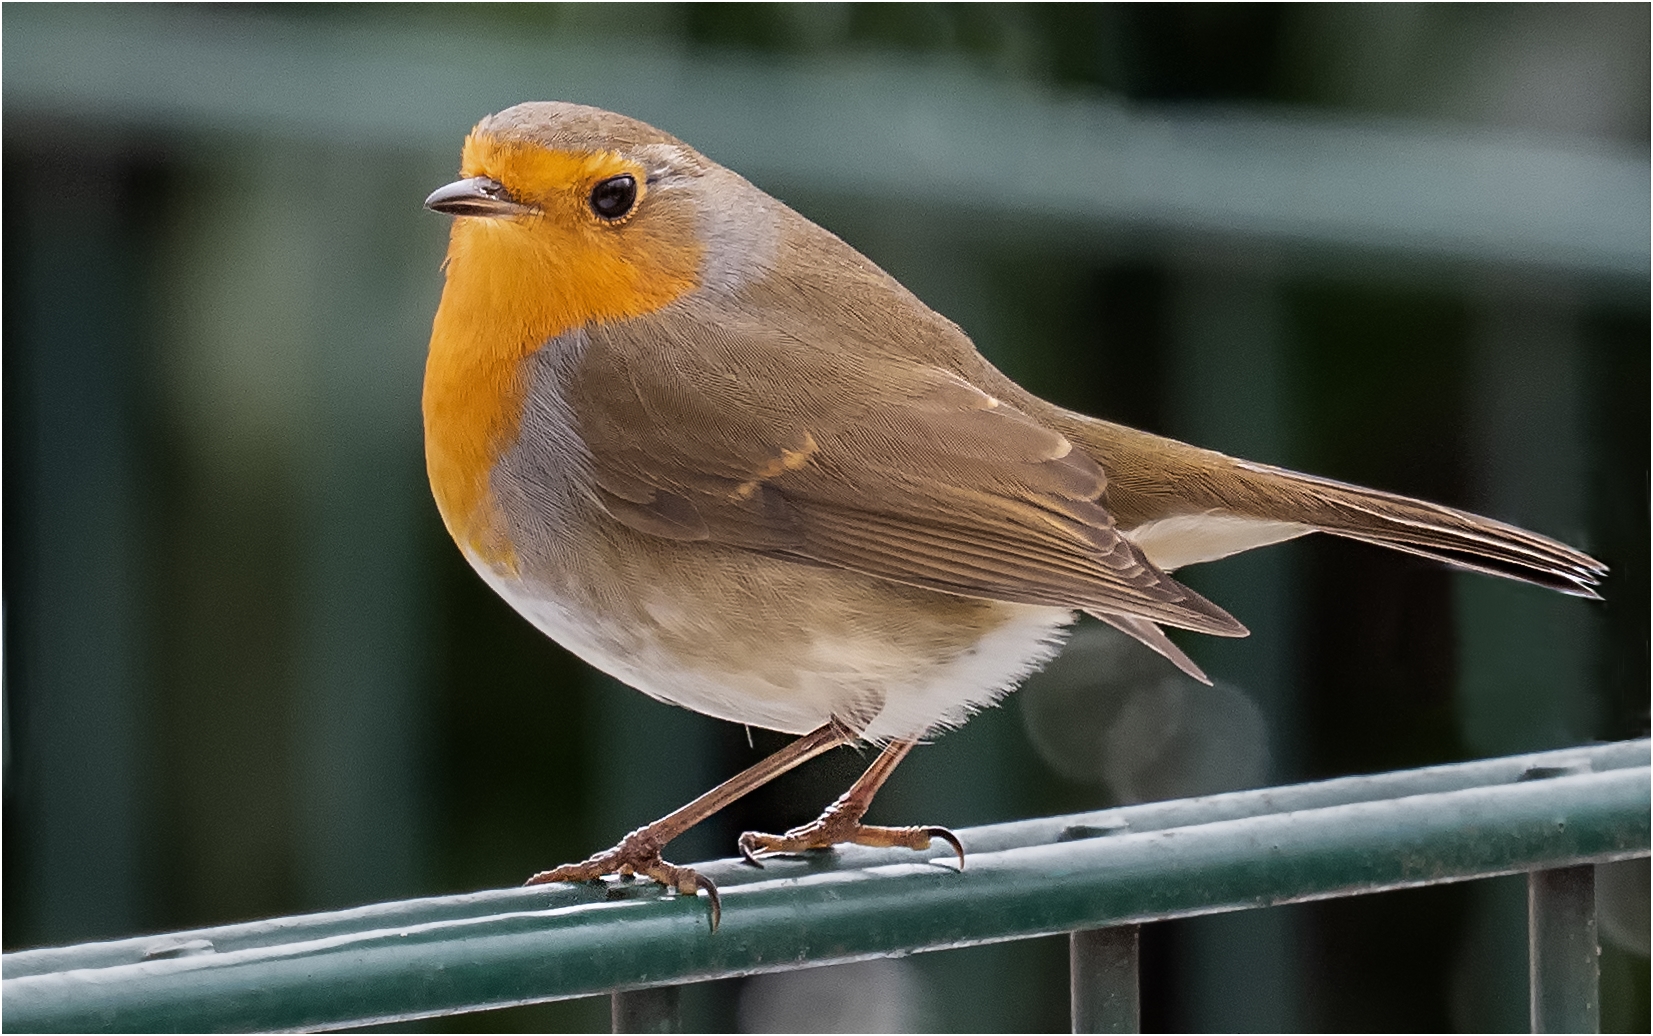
475, 385
513, 285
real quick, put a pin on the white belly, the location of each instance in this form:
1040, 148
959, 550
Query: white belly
866, 675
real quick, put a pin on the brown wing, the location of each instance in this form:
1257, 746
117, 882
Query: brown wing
743, 437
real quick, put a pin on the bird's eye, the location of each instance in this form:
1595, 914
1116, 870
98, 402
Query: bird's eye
614, 197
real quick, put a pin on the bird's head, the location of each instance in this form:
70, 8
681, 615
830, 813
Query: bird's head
568, 215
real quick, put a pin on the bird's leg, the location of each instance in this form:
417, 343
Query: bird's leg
639, 852
841, 822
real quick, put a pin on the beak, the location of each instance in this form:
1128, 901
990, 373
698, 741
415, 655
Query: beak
476, 196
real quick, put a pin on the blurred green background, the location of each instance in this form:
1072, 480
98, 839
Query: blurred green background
247, 675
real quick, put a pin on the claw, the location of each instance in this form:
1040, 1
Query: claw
950, 838
701, 881
686, 881
833, 829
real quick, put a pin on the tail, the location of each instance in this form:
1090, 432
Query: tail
1183, 505
1458, 538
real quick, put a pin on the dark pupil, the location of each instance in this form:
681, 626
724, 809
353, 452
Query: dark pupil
613, 198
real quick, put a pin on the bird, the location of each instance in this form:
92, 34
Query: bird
718, 454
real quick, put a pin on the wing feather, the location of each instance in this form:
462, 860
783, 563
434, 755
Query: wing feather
743, 437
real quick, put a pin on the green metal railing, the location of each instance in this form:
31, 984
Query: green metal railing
1096, 875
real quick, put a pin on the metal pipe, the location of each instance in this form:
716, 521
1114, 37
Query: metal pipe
1149, 816
443, 957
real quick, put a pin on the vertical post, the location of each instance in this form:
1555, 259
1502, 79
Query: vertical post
363, 715
75, 619
1563, 956
1103, 978
1229, 390
1525, 656
649, 1010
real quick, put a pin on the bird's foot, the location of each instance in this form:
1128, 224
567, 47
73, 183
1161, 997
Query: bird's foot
637, 854
840, 827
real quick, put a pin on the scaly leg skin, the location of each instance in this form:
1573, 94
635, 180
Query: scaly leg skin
639, 852
841, 821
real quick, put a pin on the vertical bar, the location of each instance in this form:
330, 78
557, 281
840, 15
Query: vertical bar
1229, 388
1563, 956
1525, 657
1103, 979
232, 305
364, 716
649, 1010
76, 626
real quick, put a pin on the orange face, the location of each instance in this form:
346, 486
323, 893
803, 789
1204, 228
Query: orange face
563, 265
514, 282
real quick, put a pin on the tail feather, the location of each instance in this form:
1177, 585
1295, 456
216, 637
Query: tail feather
1151, 635
1157, 487
1444, 534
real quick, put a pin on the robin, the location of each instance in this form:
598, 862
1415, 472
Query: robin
720, 455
